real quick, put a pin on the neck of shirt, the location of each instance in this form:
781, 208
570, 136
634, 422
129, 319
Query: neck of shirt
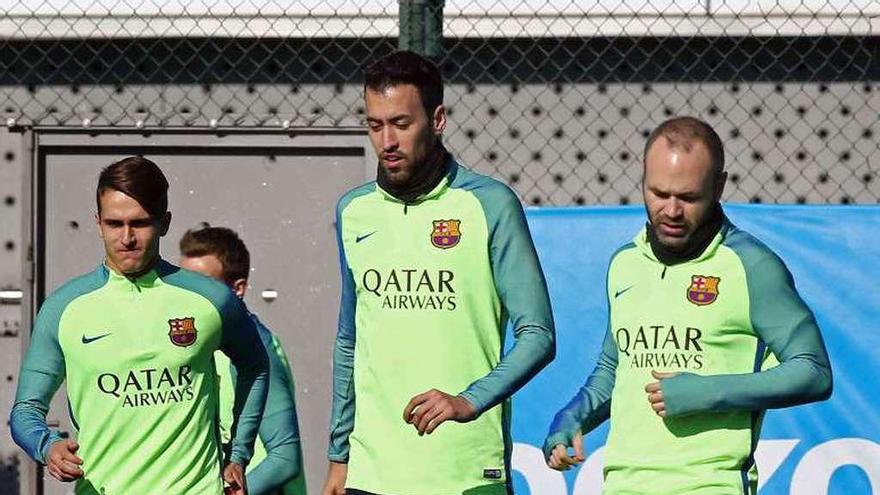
426, 176
699, 241
145, 277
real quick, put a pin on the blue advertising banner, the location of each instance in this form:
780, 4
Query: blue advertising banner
827, 448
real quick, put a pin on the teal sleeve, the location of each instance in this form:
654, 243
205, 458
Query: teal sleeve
342, 410
782, 322
520, 284
241, 342
43, 369
283, 460
41, 374
279, 428
591, 406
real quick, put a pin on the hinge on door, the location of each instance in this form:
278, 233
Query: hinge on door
29, 265
10, 328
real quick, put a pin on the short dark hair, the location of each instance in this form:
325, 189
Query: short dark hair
681, 132
138, 178
224, 244
404, 67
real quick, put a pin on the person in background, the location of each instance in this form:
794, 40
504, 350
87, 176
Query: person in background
276, 467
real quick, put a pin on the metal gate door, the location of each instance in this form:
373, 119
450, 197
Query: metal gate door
277, 190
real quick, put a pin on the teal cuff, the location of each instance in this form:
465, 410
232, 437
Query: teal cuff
534, 348
53, 437
559, 438
682, 395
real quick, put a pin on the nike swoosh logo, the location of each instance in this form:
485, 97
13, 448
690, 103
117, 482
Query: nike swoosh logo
362, 237
621, 291
89, 340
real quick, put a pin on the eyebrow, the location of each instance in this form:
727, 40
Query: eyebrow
393, 118
133, 220
685, 194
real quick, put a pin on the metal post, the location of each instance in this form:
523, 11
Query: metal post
31, 474
434, 28
421, 26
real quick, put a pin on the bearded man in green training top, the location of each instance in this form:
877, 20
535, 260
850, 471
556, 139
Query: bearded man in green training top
705, 332
435, 261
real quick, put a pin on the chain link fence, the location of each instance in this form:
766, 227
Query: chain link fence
554, 97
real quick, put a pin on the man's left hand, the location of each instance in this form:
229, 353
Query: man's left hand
233, 475
655, 392
428, 410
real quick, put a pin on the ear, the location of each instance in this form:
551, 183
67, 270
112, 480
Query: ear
164, 224
438, 120
98, 224
719, 186
239, 287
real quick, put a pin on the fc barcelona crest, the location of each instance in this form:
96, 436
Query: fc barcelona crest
446, 233
182, 331
703, 289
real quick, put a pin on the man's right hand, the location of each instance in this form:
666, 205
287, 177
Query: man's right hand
559, 458
335, 484
62, 461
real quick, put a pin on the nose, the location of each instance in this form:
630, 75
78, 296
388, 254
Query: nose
128, 237
389, 138
674, 208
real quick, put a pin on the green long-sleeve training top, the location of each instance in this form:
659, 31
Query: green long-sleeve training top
427, 291
741, 339
137, 355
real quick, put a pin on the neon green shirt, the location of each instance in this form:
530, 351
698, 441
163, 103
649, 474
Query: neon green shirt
721, 321
138, 359
428, 288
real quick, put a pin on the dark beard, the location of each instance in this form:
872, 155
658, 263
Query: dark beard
425, 177
695, 246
